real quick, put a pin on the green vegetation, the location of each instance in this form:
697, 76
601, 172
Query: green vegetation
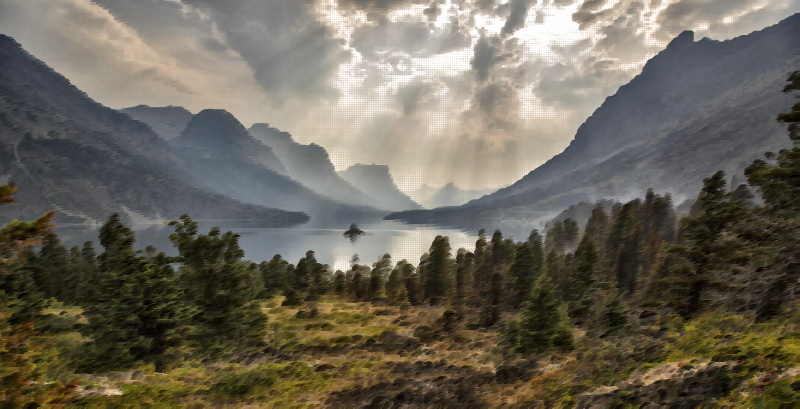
636, 307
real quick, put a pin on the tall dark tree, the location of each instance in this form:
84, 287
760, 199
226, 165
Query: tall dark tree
137, 313
438, 270
220, 286
521, 275
583, 279
542, 323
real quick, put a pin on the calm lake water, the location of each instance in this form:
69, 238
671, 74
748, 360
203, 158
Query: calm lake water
400, 240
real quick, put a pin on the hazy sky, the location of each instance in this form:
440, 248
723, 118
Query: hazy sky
478, 92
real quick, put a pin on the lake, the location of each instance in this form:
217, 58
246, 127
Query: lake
400, 240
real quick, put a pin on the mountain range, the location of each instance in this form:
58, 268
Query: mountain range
448, 195
68, 153
377, 182
697, 107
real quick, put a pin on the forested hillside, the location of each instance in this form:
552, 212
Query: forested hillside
634, 307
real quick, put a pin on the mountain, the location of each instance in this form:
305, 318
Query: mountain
375, 181
452, 195
68, 153
167, 122
217, 148
696, 107
310, 165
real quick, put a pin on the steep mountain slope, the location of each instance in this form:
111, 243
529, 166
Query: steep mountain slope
217, 148
310, 165
697, 107
375, 181
68, 153
167, 122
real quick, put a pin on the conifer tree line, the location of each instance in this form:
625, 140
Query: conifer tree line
736, 250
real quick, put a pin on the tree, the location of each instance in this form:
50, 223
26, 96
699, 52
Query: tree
613, 316
340, 283
138, 314
438, 270
273, 275
702, 235
582, 279
542, 324
521, 275
221, 288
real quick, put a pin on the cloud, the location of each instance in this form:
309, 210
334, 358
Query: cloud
378, 5
415, 96
414, 38
516, 18
291, 53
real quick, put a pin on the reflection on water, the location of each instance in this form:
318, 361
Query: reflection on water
400, 240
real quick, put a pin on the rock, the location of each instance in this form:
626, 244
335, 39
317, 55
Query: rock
669, 385
358, 337
137, 375
324, 368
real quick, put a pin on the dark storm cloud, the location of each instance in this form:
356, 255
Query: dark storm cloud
291, 54
433, 11
518, 12
413, 38
485, 57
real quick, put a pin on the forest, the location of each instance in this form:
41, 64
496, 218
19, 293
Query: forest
640, 305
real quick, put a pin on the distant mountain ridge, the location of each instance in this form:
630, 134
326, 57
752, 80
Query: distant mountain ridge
310, 165
452, 195
697, 107
377, 182
217, 148
168, 122
68, 153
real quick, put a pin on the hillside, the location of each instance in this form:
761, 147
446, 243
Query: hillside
167, 122
697, 107
310, 165
377, 183
70, 154
217, 148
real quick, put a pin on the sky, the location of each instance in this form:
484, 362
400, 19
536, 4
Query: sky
476, 92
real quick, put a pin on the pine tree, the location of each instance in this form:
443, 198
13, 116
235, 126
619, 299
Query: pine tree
463, 281
113, 320
522, 274
438, 270
340, 283
291, 298
613, 316
542, 324
53, 263
221, 287
274, 275
583, 279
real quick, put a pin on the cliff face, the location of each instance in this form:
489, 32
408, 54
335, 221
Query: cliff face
376, 182
697, 107
70, 154
310, 165
217, 148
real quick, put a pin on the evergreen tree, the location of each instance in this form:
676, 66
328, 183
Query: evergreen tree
291, 298
273, 275
53, 263
542, 324
613, 316
221, 287
438, 270
463, 277
340, 283
138, 313
583, 279
572, 233
522, 274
